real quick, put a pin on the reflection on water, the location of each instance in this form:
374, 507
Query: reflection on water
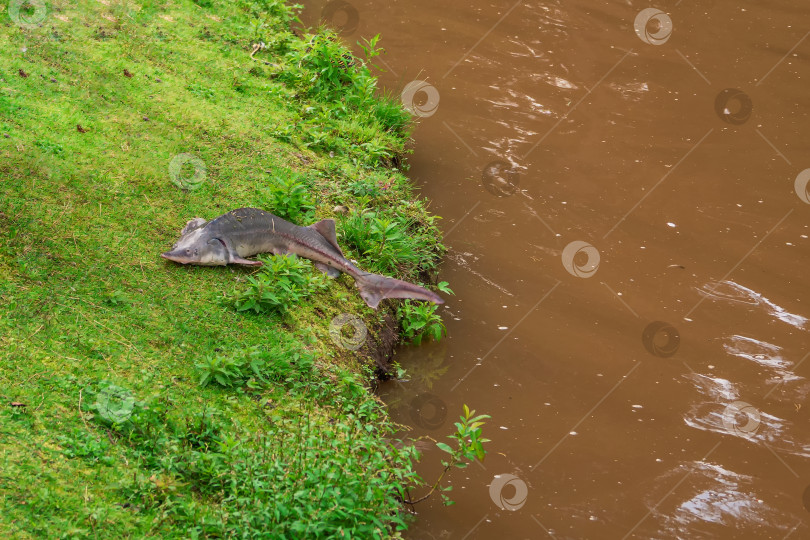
734, 292
413, 397
762, 353
715, 388
712, 500
723, 411
757, 427
779, 370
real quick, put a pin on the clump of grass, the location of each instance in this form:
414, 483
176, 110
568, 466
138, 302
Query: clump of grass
257, 367
385, 243
380, 240
80, 443
288, 197
419, 320
364, 189
281, 284
372, 189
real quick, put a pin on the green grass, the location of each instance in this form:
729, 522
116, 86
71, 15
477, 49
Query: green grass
419, 320
282, 285
135, 400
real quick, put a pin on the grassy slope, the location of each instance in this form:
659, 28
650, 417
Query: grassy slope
87, 302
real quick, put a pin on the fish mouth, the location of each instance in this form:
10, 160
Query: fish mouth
170, 255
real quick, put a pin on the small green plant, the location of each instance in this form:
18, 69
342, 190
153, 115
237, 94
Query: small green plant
331, 63
257, 367
370, 49
364, 188
118, 297
282, 283
469, 445
419, 319
221, 369
50, 147
389, 240
83, 444
288, 198
381, 240
401, 373
377, 151
258, 27
201, 91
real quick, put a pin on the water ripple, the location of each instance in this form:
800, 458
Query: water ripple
765, 430
734, 292
710, 500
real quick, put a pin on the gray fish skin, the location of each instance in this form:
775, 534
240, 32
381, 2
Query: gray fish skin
242, 233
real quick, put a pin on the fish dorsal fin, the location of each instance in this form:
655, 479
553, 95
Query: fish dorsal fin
193, 224
326, 228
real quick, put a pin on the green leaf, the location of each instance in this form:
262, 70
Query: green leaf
445, 447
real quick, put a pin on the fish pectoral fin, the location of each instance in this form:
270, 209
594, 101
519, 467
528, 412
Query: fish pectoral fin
326, 228
326, 269
193, 224
236, 259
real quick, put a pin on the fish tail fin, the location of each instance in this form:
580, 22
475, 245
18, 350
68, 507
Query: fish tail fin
374, 288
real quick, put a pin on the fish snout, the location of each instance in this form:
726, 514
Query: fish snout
177, 255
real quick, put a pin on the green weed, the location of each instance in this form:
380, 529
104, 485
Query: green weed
288, 198
281, 284
367, 188
385, 242
256, 367
83, 444
419, 320
469, 446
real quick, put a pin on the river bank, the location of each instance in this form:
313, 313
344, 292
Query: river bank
145, 399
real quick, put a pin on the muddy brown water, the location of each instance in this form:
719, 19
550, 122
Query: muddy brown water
626, 204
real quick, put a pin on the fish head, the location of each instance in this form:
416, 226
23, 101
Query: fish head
197, 248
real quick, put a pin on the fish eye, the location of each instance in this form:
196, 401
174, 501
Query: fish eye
196, 252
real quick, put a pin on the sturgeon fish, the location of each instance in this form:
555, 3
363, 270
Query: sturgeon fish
244, 232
